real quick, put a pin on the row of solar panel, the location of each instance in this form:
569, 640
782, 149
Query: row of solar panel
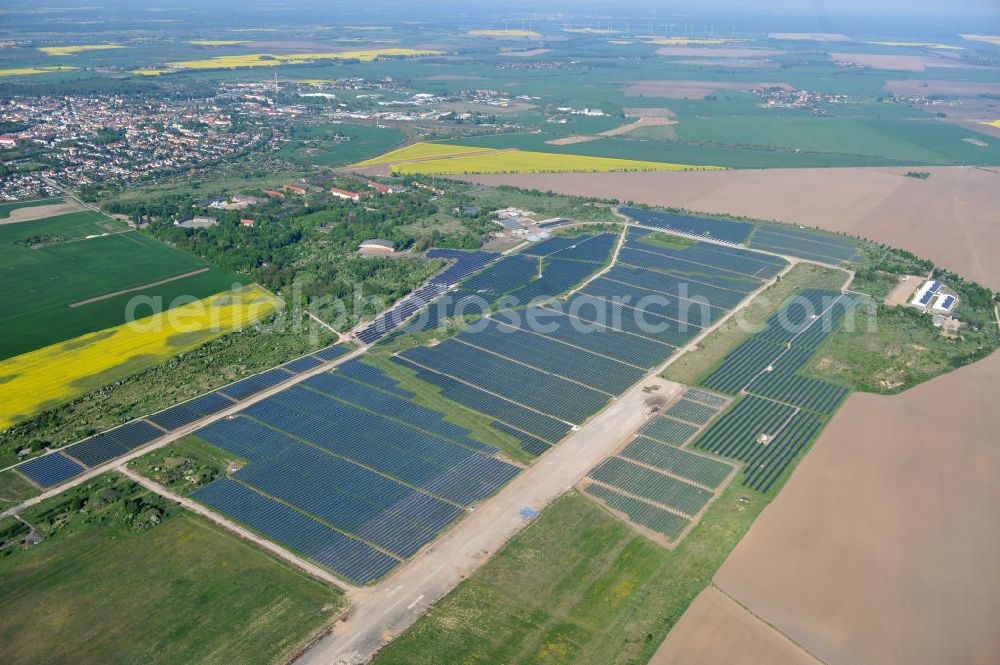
348, 450
717, 229
465, 264
54, 468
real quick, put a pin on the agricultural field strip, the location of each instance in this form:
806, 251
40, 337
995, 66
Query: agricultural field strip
636, 247
499, 354
167, 280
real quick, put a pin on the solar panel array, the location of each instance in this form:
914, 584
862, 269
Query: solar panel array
721, 230
769, 362
101, 448
465, 264
361, 466
805, 244
50, 469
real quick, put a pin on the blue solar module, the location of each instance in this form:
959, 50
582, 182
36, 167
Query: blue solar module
398, 407
246, 438
365, 373
347, 557
539, 424
49, 469
529, 444
134, 434
254, 384
96, 450
804, 244
717, 229
208, 404
594, 247
174, 418
302, 364
552, 356
331, 352
533, 388
947, 302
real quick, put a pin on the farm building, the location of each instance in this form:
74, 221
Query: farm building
247, 222
376, 247
933, 295
345, 194
382, 189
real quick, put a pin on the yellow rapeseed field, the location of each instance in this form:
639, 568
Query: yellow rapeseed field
24, 71
34, 381
79, 48
524, 34
935, 45
525, 161
422, 150
269, 60
991, 123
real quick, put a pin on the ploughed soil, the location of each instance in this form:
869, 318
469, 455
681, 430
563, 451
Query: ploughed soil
883, 546
950, 218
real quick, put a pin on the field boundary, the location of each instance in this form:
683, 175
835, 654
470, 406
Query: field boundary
122, 292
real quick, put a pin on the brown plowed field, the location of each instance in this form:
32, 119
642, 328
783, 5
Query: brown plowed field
884, 546
950, 218
716, 630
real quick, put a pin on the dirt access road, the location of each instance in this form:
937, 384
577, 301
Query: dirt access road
950, 218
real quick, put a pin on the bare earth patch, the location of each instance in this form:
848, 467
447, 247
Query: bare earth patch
949, 218
903, 63
657, 121
648, 112
690, 89
33, 213
525, 54
923, 88
883, 546
715, 629
900, 294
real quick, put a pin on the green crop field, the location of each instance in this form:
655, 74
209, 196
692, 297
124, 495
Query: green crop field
47, 265
7, 208
107, 585
576, 587
336, 145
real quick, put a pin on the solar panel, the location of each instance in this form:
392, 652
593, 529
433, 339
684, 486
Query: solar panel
49, 469
302, 364
134, 434
254, 384
331, 352
210, 403
96, 450
174, 418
